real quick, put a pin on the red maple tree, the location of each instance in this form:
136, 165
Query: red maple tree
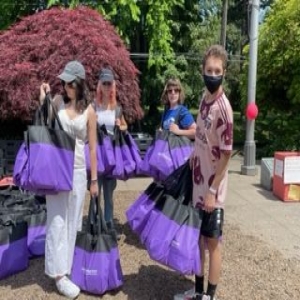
37, 48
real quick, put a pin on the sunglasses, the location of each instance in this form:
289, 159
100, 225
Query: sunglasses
176, 91
68, 84
107, 83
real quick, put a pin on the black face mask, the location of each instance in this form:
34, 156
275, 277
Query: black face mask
212, 83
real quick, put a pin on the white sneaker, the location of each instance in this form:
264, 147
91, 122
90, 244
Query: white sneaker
67, 288
206, 297
188, 295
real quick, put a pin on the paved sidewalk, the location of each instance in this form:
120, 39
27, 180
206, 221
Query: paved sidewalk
258, 212
255, 210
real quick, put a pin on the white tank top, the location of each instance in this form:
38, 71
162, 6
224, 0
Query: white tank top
77, 127
106, 117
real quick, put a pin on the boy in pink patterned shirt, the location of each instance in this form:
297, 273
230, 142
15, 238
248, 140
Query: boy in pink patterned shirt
213, 140
213, 145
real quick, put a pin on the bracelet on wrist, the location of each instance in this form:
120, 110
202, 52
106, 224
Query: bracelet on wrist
93, 181
213, 191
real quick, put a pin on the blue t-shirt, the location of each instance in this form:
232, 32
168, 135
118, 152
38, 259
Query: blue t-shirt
180, 114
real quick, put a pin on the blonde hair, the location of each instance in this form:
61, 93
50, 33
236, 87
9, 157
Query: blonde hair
112, 96
175, 83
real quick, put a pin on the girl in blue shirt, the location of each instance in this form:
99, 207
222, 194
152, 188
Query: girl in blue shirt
176, 117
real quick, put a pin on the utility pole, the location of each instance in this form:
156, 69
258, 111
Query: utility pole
224, 23
249, 167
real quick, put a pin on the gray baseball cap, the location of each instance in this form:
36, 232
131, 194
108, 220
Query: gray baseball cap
73, 69
106, 75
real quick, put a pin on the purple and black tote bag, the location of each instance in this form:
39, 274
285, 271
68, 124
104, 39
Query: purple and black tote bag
37, 227
171, 236
96, 265
13, 247
172, 230
20, 172
181, 148
161, 159
50, 159
139, 211
106, 149
128, 160
20, 165
36, 232
125, 163
105, 152
144, 167
46, 146
100, 162
118, 171
29, 208
134, 150
167, 152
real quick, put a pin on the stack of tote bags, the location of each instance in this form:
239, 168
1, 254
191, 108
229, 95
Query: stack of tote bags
166, 222
22, 229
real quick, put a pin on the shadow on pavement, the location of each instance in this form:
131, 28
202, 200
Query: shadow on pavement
130, 237
154, 283
33, 275
268, 195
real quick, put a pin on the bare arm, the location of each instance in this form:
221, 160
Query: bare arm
189, 132
92, 139
221, 168
56, 101
210, 198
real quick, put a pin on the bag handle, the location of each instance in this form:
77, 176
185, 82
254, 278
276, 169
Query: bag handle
96, 221
38, 119
56, 117
179, 184
175, 182
102, 227
118, 112
92, 217
103, 129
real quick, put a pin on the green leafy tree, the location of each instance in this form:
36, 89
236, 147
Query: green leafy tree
126, 15
122, 13
194, 27
278, 74
238, 26
14, 10
278, 77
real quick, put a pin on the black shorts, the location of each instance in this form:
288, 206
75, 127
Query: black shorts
212, 223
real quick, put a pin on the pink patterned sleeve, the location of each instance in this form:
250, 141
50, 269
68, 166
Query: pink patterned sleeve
224, 125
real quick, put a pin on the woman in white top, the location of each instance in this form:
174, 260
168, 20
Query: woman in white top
64, 210
108, 114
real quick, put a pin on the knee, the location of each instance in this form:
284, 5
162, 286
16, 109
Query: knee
213, 245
